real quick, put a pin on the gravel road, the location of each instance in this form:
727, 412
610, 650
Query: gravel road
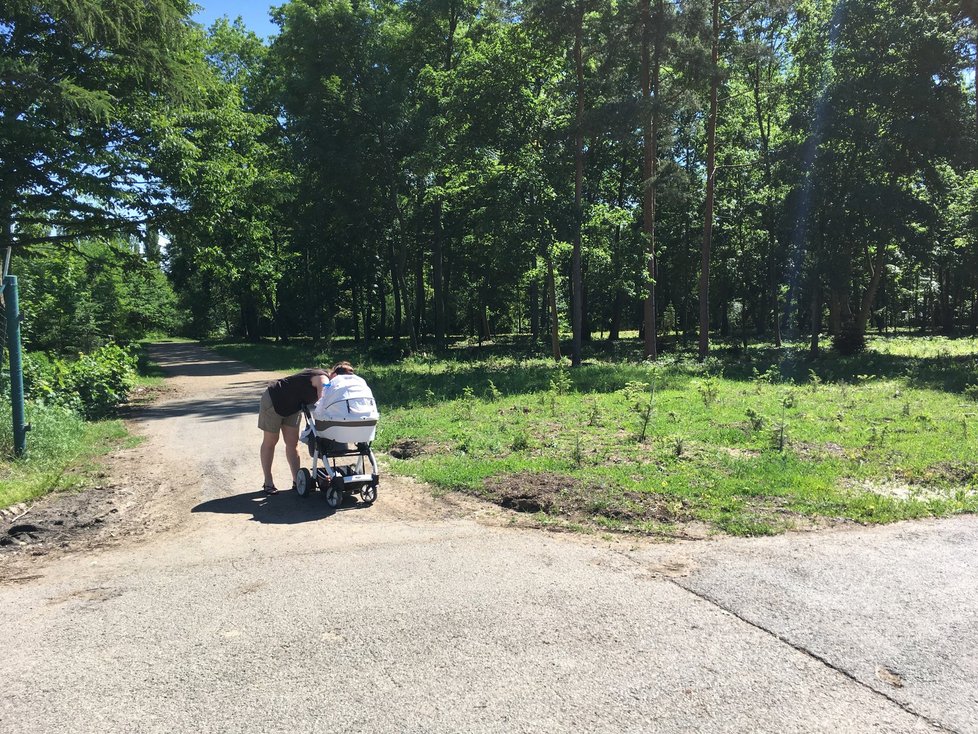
223, 610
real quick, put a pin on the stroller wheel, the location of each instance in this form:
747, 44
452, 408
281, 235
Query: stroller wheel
334, 494
369, 494
303, 482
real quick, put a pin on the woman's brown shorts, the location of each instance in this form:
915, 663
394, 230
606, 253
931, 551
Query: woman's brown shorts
269, 420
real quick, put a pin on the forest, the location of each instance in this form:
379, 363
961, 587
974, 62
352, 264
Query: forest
662, 171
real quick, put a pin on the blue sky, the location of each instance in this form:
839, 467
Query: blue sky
253, 12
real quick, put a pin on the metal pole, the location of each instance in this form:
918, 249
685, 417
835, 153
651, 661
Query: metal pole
12, 311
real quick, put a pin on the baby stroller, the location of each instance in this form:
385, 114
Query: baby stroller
346, 414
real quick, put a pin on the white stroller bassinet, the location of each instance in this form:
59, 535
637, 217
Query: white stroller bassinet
345, 414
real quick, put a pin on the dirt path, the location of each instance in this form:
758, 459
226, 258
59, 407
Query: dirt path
201, 605
199, 453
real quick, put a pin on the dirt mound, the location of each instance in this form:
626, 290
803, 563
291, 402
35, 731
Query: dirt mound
51, 522
407, 448
563, 496
948, 473
531, 491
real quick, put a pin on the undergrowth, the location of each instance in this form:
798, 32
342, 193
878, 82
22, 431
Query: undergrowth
60, 444
750, 441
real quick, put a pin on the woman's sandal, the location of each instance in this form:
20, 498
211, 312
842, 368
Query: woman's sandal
269, 489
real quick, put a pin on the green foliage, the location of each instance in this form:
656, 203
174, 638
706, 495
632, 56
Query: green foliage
756, 419
87, 87
59, 440
709, 390
747, 463
849, 341
94, 384
430, 170
116, 295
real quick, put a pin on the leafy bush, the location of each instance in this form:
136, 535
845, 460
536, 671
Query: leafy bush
850, 340
58, 439
93, 385
53, 435
115, 296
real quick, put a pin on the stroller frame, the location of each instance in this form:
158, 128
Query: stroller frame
334, 482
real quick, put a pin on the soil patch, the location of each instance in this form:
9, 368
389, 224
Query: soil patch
408, 448
569, 498
946, 473
57, 520
813, 451
530, 491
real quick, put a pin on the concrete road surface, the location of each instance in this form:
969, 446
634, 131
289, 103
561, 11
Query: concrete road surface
226, 611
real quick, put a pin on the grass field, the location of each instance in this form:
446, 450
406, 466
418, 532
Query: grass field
63, 449
749, 442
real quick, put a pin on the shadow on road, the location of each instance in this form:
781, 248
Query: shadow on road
285, 508
205, 410
192, 360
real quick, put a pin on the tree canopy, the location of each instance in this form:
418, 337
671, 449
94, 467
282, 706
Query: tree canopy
426, 169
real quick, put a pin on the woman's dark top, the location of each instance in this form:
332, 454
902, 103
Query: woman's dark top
290, 393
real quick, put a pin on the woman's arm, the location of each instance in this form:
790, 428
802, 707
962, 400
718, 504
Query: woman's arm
320, 382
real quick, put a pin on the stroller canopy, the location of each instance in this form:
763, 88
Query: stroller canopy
346, 401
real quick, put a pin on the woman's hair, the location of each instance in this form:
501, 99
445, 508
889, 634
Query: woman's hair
342, 368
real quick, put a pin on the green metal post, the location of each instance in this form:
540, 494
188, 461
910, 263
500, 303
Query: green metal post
12, 311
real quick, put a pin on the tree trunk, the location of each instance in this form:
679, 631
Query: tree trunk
485, 331
419, 297
711, 134
577, 313
382, 297
400, 259
835, 313
396, 290
437, 270
355, 311
764, 131
869, 297
816, 317
534, 308
650, 94
614, 330
554, 318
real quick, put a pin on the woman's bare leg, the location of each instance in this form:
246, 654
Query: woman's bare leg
268, 442
291, 436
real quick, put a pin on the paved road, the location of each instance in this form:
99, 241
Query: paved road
253, 614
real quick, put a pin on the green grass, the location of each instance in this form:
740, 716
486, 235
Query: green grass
887, 435
62, 448
148, 373
61, 451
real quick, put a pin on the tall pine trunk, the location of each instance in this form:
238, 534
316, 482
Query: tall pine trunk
552, 302
869, 297
577, 280
396, 290
711, 135
399, 263
816, 315
770, 215
437, 281
650, 94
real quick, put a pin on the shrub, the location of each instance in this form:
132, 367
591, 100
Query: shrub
93, 385
54, 434
103, 379
850, 340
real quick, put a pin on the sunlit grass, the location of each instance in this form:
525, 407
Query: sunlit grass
751, 442
60, 445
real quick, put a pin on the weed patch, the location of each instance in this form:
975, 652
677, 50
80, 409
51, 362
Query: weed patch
749, 443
